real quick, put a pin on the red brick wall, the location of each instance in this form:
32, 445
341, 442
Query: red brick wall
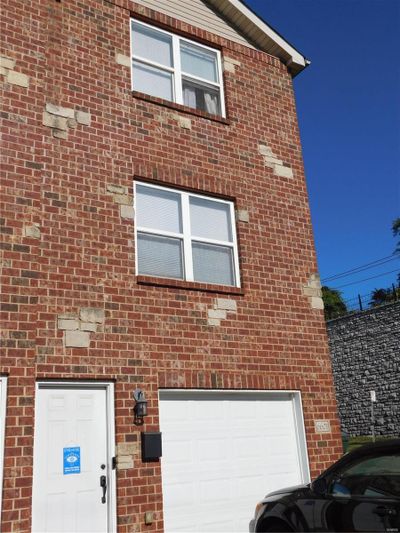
152, 336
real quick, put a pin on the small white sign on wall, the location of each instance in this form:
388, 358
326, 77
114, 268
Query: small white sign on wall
322, 426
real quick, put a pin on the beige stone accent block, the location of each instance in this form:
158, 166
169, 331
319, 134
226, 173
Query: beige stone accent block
123, 60
7, 63
265, 150
317, 303
283, 172
242, 215
220, 314
271, 161
312, 291
53, 121
92, 314
68, 324
3, 71
214, 322
32, 231
117, 189
122, 199
184, 122
48, 119
83, 118
127, 448
314, 282
88, 326
77, 339
124, 462
127, 211
226, 303
65, 112
230, 64
148, 518
72, 123
59, 134
16, 78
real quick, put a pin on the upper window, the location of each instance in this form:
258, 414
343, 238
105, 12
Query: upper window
185, 236
176, 69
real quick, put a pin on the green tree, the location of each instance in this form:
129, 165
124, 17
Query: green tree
333, 303
384, 296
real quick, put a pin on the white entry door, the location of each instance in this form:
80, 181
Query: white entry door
223, 451
73, 485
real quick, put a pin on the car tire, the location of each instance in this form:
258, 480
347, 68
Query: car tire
276, 527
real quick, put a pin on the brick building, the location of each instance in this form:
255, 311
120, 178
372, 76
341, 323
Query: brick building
156, 236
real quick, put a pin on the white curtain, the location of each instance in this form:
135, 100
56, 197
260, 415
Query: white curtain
211, 101
189, 96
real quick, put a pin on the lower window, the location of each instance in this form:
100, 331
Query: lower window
185, 236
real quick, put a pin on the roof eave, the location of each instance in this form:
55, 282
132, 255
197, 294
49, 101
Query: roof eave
261, 33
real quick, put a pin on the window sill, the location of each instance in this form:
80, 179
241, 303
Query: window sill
190, 285
179, 107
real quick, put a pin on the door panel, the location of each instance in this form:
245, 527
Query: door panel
70, 448
362, 515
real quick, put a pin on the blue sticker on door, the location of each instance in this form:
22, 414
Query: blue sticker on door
72, 460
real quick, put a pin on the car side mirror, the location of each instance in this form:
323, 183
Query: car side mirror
320, 486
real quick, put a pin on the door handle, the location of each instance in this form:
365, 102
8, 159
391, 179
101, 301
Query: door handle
103, 485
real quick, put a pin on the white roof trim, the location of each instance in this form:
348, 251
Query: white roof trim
286, 52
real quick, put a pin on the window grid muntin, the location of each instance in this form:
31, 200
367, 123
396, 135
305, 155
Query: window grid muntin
186, 236
176, 68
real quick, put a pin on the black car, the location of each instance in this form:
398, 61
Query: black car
360, 492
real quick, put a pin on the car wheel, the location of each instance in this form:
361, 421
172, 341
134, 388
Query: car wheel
275, 527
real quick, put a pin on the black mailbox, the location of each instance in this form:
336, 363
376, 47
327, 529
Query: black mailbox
151, 446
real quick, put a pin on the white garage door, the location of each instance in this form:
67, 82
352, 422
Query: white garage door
223, 451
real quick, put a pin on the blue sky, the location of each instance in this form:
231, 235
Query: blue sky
348, 103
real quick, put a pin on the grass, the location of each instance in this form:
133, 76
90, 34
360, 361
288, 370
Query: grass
351, 443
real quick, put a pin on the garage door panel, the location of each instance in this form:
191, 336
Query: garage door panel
180, 451
212, 450
246, 485
220, 525
180, 494
222, 453
201, 410
213, 490
243, 412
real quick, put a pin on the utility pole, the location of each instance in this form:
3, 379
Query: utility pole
373, 400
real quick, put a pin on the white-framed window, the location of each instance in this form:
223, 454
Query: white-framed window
171, 67
185, 236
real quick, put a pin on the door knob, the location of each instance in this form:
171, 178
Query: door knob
385, 511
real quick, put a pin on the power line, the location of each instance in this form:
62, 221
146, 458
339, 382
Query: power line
360, 268
366, 279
